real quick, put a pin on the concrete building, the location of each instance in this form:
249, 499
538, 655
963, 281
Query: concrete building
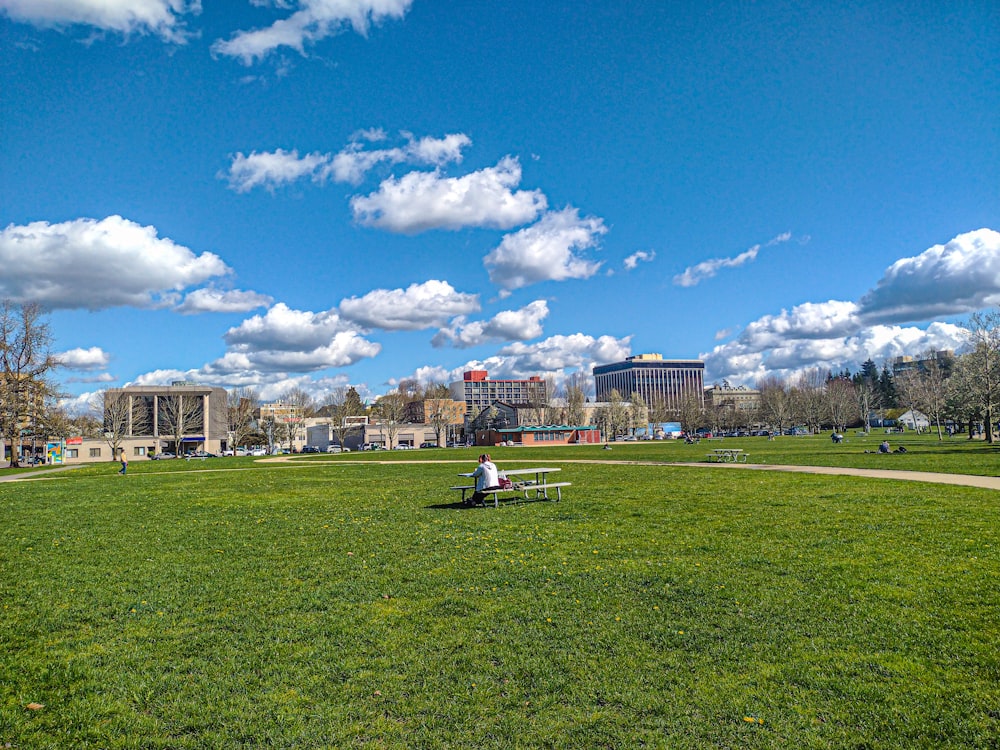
478, 392
178, 418
737, 397
655, 379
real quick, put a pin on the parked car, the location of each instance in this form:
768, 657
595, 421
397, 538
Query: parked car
202, 454
161, 456
310, 449
259, 451
428, 445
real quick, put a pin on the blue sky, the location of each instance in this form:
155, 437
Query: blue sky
307, 193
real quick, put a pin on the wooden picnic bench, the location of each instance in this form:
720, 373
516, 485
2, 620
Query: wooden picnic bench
529, 489
727, 455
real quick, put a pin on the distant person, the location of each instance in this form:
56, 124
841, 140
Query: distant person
837, 437
884, 447
124, 460
487, 478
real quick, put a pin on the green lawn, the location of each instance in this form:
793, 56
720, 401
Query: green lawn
330, 603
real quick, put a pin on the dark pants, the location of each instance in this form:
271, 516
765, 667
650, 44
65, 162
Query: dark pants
479, 498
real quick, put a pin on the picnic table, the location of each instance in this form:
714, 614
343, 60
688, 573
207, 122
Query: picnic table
727, 455
532, 484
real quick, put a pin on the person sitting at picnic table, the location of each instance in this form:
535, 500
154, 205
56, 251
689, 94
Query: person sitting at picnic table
884, 447
487, 478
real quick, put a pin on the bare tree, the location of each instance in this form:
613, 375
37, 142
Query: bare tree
575, 400
984, 361
119, 420
775, 401
638, 412
926, 389
439, 417
241, 408
390, 410
612, 418
841, 402
807, 395
691, 414
26, 361
338, 407
177, 415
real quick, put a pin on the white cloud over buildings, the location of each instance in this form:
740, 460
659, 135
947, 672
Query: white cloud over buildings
419, 306
506, 325
95, 264
549, 250
956, 278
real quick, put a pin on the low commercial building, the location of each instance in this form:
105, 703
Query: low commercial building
540, 435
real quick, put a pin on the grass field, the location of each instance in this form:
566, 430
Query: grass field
334, 603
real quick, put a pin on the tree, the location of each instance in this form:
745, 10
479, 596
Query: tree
808, 398
241, 407
113, 408
177, 414
338, 407
691, 414
775, 402
638, 412
26, 361
612, 418
927, 389
984, 361
841, 402
390, 410
575, 399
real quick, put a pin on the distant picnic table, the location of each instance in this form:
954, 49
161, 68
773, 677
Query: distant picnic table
727, 455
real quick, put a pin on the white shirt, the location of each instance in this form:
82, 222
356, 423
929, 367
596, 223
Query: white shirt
486, 475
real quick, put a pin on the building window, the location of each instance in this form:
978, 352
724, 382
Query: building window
139, 450
95, 452
72, 453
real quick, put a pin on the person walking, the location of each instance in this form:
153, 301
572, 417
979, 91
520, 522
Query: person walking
124, 461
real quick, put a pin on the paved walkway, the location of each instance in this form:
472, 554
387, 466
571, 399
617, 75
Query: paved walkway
963, 480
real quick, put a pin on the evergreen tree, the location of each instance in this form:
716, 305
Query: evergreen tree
887, 389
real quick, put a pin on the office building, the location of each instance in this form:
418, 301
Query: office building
657, 380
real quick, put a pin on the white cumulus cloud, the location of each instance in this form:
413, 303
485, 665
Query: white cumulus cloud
94, 264
312, 21
961, 276
507, 325
418, 306
218, 300
419, 201
163, 18
92, 358
287, 340
958, 277
546, 251
271, 169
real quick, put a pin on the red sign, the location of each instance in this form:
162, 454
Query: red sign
74, 441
